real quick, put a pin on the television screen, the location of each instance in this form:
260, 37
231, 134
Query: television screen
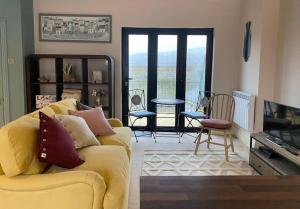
282, 122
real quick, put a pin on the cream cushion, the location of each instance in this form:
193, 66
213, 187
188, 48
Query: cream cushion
78, 129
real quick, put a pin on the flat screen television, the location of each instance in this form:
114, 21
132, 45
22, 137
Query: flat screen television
283, 122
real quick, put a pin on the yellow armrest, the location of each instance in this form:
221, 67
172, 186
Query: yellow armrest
67, 190
114, 122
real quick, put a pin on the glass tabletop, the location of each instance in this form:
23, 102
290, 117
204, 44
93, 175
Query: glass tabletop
167, 101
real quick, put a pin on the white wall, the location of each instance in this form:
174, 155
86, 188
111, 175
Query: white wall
222, 15
251, 10
258, 74
288, 76
268, 57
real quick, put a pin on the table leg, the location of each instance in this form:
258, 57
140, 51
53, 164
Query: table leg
178, 120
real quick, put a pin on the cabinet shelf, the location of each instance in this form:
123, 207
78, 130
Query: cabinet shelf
51, 67
70, 83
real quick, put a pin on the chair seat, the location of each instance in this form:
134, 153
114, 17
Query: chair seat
216, 123
194, 115
142, 114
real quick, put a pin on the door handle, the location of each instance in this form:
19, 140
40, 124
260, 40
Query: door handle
126, 82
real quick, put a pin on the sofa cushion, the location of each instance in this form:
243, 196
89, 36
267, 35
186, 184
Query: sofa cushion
78, 129
112, 163
81, 106
1, 171
63, 106
121, 138
47, 110
18, 150
56, 145
96, 121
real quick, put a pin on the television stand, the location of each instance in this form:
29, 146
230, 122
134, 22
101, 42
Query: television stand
269, 156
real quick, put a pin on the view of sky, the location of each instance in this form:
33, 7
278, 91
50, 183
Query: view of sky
139, 43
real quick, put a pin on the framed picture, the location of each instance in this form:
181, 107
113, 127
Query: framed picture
75, 28
44, 100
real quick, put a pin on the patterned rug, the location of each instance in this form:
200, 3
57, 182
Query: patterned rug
185, 163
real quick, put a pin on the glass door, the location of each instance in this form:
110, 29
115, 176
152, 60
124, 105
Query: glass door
195, 72
166, 78
166, 64
138, 69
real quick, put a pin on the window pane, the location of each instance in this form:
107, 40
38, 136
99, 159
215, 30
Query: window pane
138, 68
195, 70
166, 77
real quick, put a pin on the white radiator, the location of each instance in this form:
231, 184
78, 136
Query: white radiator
244, 110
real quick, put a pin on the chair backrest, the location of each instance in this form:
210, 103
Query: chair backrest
137, 100
222, 107
203, 100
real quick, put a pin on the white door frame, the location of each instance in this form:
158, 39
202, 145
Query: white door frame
4, 69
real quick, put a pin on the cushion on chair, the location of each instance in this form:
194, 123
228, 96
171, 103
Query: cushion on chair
194, 115
141, 114
216, 123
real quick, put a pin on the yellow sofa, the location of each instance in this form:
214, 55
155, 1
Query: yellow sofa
101, 182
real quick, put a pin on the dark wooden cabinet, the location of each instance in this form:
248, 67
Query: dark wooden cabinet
51, 67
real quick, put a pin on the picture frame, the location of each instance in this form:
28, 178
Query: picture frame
44, 100
75, 28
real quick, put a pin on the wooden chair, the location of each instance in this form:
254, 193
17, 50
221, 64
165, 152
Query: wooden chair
221, 107
199, 113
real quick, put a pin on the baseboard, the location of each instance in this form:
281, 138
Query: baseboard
241, 134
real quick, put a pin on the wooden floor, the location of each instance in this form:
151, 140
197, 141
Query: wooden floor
232, 192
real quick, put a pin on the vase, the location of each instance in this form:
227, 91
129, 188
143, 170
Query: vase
67, 78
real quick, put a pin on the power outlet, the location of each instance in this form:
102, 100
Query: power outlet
11, 61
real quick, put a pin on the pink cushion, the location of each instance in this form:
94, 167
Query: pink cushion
96, 121
216, 123
55, 145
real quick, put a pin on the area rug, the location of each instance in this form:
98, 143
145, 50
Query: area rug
185, 163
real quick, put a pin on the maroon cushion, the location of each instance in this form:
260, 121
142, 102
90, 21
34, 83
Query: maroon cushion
216, 123
55, 145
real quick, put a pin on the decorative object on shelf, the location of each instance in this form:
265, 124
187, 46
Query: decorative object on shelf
75, 28
44, 100
43, 79
97, 76
247, 42
99, 96
71, 93
68, 73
